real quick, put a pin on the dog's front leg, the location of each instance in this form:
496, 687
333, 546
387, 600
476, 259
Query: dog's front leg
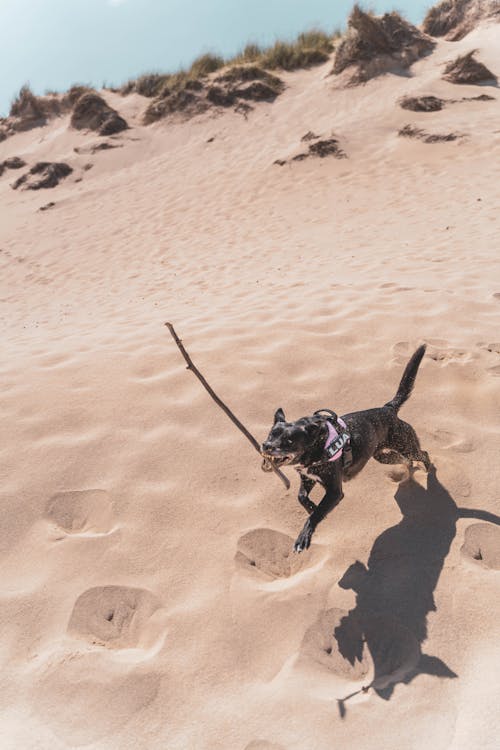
333, 496
306, 485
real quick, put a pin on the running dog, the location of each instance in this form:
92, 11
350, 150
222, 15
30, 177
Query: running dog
328, 449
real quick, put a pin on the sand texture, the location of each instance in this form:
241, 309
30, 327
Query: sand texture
150, 598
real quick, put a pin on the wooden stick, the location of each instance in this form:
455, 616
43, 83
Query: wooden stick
219, 402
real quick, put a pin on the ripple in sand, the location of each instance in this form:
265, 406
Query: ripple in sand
482, 543
267, 552
82, 702
81, 511
113, 616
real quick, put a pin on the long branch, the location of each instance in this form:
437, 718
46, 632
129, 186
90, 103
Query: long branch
219, 402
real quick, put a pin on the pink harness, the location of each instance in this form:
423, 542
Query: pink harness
335, 442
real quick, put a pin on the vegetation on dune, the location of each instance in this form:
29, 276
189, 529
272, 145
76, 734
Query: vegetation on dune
310, 48
422, 103
466, 69
182, 90
205, 65
456, 18
29, 111
71, 97
377, 44
91, 112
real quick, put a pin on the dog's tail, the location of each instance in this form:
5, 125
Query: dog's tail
408, 379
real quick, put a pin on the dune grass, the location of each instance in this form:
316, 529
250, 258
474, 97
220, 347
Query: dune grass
311, 47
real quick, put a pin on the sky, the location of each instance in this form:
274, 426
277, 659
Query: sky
52, 44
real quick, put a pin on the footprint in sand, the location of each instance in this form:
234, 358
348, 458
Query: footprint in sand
269, 553
83, 512
451, 441
352, 647
320, 645
482, 543
437, 349
116, 617
493, 348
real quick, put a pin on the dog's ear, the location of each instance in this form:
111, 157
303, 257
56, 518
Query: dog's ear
279, 416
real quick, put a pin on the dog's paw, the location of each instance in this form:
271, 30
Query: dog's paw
303, 540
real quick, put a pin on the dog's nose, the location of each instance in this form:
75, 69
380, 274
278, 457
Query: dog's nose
265, 446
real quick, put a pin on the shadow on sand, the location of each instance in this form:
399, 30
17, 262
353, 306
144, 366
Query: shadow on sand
395, 592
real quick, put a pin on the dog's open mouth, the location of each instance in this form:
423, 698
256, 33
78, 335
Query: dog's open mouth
276, 459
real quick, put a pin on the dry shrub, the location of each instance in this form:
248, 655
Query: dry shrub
163, 84
257, 91
91, 112
480, 98
247, 82
251, 53
204, 65
422, 103
29, 111
27, 105
311, 47
181, 101
221, 96
149, 84
327, 147
410, 131
47, 175
315, 39
74, 93
375, 45
13, 162
466, 69
292, 56
456, 18
189, 96
320, 148
245, 73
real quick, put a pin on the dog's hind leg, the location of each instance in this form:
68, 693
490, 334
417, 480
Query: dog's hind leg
404, 440
306, 485
389, 456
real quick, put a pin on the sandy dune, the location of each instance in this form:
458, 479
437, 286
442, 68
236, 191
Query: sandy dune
150, 598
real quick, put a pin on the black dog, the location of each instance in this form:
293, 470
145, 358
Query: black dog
327, 450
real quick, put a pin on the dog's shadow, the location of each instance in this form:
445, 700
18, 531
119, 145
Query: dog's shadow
394, 592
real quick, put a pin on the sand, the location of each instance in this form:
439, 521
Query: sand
150, 598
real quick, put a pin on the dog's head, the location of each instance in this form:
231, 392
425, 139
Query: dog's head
289, 442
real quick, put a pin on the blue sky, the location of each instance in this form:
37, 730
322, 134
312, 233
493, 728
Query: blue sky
52, 44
